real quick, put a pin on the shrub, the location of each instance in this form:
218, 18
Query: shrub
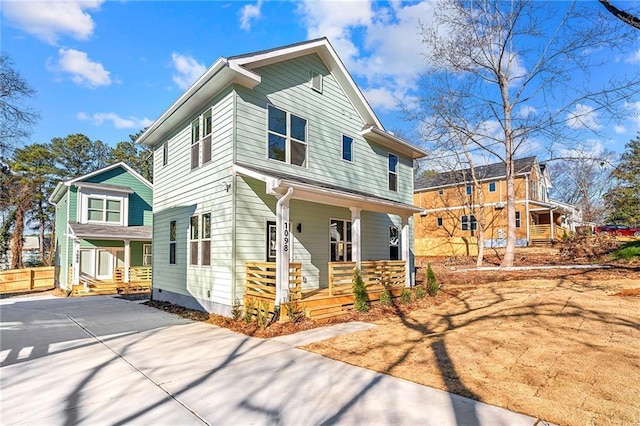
420, 292
249, 306
295, 311
432, 282
360, 303
385, 297
262, 315
406, 296
236, 310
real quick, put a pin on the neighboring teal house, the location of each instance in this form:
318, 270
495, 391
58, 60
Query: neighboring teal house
103, 226
274, 158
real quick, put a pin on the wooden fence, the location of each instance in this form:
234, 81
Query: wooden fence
136, 274
390, 273
29, 279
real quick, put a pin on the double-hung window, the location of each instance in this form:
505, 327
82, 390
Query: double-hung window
207, 126
172, 242
287, 137
193, 240
205, 238
347, 148
469, 223
518, 221
492, 187
104, 209
393, 172
195, 143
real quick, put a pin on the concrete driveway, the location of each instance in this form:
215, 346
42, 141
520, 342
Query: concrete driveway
108, 361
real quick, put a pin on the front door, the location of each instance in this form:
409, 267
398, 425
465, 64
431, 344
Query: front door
104, 264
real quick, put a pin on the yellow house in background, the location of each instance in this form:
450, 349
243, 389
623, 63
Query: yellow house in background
454, 208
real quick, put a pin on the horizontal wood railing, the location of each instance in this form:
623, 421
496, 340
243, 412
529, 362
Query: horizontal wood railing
28, 279
374, 272
540, 232
136, 274
261, 280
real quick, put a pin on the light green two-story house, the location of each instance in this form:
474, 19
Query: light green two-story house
103, 226
274, 157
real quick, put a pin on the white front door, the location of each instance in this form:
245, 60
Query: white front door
105, 264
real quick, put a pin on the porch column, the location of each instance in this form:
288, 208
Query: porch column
551, 223
75, 262
283, 245
127, 260
406, 254
356, 241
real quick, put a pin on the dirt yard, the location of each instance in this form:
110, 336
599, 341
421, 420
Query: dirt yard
563, 346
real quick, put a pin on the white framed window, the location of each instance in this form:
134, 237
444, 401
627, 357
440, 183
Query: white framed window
286, 137
394, 240
205, 240
439, 222
469, 223
207, 128
316, 81
347, 148
492, 187
469, 189
102, 208
195, 143
165, 153
518, 221
194, 242
340, 240
173, 225
393, 172
440, 191
146, 254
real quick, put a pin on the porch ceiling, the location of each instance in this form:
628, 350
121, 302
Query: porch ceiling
111, 232
318, 192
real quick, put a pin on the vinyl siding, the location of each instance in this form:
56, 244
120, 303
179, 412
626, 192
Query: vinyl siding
329, 115
140, 201
181, 193
62, 259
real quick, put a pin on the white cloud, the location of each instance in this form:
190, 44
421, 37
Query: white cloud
583, 116
619, 129
249, 13
83, 71
98, 119
526, 111
51, 19
633, 59
187, 70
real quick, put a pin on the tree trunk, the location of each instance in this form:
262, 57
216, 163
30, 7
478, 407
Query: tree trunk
17, 242
509, 252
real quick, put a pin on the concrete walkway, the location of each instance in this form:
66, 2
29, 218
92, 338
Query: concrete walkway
107, 361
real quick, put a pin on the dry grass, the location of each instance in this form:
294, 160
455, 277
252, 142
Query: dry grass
562, 347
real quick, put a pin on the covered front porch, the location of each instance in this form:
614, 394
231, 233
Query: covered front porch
322, 303
548, 222
110, 259
373, 237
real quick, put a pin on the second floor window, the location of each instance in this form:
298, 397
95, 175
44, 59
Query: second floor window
104, 210
393, 172
287, 137
347, 148
469, 223
195, 143
492, 187
165, 153
469, 190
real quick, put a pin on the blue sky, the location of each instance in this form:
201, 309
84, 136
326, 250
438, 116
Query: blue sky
108, 69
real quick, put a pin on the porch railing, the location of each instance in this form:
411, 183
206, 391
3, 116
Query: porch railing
375, 272
261, 280
136, 274
541, 232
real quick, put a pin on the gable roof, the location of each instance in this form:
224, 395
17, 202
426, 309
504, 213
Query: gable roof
491, 171
239, 69
61, 188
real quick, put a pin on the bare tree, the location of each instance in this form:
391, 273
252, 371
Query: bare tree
507, 73
626, 17
16, 118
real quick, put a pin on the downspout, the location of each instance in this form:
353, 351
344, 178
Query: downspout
283, 244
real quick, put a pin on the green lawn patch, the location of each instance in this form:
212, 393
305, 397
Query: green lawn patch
629, 251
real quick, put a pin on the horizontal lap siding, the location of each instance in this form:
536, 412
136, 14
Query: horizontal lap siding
140, 201
180, 193
330, 115
63, 259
